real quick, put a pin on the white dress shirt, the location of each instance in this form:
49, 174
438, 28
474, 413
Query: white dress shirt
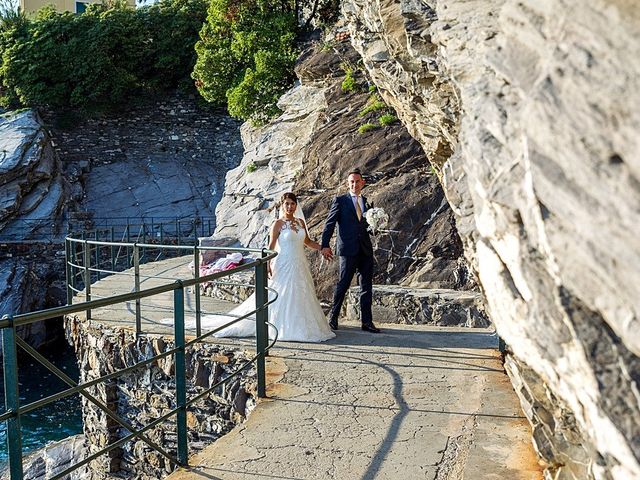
358, 199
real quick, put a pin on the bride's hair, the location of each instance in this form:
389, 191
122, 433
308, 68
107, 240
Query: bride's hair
290, 196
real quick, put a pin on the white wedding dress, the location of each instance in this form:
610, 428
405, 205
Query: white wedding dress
296, 313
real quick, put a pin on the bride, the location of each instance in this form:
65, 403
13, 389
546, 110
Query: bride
296, 313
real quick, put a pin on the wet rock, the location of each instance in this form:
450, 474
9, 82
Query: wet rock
53, 459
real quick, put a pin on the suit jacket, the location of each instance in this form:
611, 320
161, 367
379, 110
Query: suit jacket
352, 233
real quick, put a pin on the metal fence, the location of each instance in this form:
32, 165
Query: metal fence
174, 230
81, 258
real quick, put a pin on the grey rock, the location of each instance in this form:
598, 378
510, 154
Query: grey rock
530, 120
32, 184
415, 306
54, 458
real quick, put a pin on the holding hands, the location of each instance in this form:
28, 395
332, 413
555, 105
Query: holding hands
327, 253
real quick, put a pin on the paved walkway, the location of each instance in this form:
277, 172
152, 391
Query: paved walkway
410, 403
156, 312
413, 402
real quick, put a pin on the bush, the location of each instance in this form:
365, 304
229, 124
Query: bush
387, 119
366, 127
101, 58
374, 104
349, 84
246, 55
251, 167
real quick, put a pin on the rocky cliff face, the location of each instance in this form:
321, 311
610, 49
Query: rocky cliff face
530, 110
31, 181
311, 148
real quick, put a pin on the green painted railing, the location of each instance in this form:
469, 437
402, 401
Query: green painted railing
81, 259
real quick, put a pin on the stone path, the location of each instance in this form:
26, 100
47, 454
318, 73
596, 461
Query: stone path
410, 403
156, 309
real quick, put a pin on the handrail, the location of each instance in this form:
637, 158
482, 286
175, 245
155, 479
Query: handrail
82, 261
46, 230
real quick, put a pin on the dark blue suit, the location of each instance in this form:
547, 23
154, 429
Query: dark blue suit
356, 254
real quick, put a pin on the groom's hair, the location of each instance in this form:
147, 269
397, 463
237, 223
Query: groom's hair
355, 171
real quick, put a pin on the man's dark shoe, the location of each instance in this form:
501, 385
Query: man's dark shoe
333, 324
370, 327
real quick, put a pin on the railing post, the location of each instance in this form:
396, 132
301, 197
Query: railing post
68, 270
196, 275
113, 239
74, 254
12, 399
128, 241
178, 230
87, 276
136, 270
181, 385
144, 239
261, 325
97, 253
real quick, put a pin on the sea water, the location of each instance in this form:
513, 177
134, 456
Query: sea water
54, 421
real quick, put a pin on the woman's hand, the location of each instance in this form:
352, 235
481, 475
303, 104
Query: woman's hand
269, 271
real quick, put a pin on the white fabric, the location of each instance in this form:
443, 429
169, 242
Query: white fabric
296, 313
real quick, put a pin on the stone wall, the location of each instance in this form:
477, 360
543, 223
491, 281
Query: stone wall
149, 392
530, 112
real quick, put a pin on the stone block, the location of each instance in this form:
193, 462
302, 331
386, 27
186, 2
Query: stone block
404, 305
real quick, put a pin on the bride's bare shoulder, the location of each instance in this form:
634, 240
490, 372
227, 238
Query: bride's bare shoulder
277, 225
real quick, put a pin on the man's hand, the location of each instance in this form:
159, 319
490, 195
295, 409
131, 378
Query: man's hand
327, 253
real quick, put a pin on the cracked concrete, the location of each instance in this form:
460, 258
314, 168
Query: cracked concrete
412, 402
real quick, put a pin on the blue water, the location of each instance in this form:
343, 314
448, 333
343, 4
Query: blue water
54, 421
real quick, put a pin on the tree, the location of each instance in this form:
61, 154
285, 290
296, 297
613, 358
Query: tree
246, 55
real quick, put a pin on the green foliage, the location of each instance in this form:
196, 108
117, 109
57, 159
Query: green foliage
366, 127
251, 167
374, 104
373, 89
246, 55
349, 84
387, 119
101, 58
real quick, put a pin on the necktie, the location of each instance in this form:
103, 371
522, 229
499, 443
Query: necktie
358, 209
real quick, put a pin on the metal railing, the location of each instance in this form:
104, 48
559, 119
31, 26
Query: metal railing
11, 341
157, 229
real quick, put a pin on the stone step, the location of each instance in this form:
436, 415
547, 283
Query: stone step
420, 306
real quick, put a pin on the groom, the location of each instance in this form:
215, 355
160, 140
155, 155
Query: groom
354, 248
